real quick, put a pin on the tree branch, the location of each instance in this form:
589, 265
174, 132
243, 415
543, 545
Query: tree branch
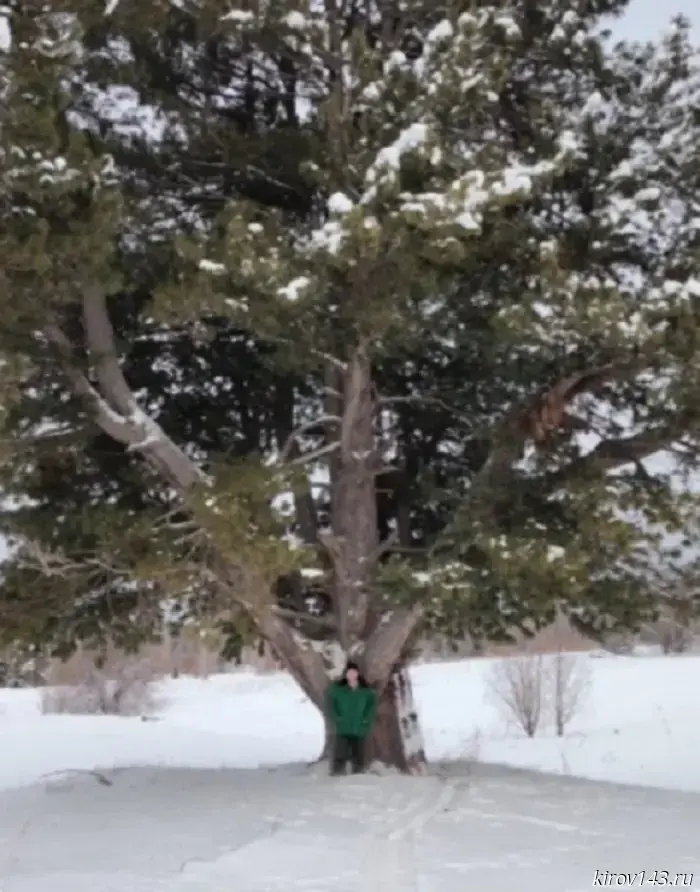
54, 563
306, 457
326, 358
546, 413
388, 641
611, 454
102, 350
109, 421
535, 421
290, 447
127, 423
417, 399
384, 547
295, 616
296, 655
304, 505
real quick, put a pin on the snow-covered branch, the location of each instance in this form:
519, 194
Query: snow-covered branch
114, 407
54, 563
314, 455
111, 422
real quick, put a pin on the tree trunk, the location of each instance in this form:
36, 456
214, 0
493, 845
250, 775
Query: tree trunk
386, 744
328, 741
354, 547
354, 517
397, 739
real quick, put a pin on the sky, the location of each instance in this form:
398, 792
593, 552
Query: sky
646, 18
643, 22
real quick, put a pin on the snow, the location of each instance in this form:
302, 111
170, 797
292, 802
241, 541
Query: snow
294, 289
410, 139
509, 26
339, 203
211, 266
170, 806
295, 20
441, 32
238, 15
5, 33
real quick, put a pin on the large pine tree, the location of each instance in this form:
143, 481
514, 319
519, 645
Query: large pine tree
470, 225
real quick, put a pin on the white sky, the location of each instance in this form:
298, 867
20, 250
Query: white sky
646, 18
643, 21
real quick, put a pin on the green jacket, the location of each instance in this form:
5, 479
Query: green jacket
351, 709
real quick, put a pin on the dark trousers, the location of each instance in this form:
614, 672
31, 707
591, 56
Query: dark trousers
348, 749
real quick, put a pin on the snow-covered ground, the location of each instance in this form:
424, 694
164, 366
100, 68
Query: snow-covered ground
638, 724
168, 809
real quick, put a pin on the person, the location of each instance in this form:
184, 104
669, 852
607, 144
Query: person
352, 706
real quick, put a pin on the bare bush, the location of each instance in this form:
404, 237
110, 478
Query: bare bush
516, 686
120, 685
193, 652
674, 637
20, 667
568, 683
676, 587
677, 623
621, 644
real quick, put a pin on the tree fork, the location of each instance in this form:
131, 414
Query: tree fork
116, 411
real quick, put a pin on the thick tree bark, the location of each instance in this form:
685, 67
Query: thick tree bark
411, 732
296, 655
354, 503
397, 740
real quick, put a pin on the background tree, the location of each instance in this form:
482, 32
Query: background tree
440, 229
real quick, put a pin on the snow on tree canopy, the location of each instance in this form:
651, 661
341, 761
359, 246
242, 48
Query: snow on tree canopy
455, 183
5, 33
432, 162
511, 200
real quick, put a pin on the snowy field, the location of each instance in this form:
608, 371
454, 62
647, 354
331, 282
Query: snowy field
173, 809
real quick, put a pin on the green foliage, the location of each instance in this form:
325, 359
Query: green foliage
489, 200
235, 512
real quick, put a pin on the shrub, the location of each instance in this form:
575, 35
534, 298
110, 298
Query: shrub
120, 685
568, 684
516, 686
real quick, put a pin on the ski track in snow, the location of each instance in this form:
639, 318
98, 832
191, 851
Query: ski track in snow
390, 861
392, 866
296, 830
